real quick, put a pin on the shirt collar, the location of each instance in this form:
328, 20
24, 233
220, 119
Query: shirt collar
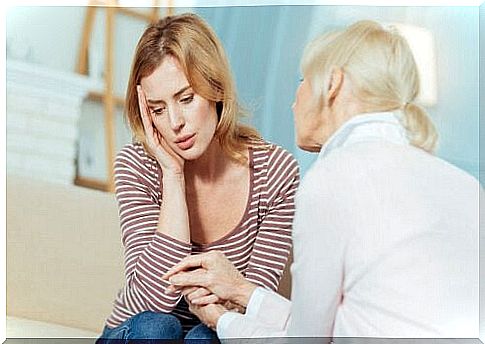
367, 127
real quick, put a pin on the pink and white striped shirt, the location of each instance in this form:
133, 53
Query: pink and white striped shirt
258, 246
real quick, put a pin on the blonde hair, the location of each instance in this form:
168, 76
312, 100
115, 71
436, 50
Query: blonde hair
382, 69
191, 41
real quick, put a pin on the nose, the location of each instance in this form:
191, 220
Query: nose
177, 120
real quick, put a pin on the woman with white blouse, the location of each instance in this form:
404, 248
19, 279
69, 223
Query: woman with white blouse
385, 233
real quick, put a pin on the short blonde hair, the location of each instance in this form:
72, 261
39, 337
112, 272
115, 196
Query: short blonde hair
382, 69
191, 41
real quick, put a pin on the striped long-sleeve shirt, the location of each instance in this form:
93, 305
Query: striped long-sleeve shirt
258, 246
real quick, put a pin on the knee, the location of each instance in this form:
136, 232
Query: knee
154, 325
200, 332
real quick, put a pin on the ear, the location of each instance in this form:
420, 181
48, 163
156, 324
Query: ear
334, 86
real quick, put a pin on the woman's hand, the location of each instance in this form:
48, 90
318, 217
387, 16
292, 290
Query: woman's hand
170, 162
201, 296
208, 314
214, 272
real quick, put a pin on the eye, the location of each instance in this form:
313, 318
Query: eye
187, 99
301, 79
158, 111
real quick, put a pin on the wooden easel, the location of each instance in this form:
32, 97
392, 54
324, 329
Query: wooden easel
107, 96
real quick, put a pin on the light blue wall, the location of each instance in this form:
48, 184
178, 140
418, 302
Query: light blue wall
264, 45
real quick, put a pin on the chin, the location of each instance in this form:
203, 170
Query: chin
193, 153
309, 147
190, 154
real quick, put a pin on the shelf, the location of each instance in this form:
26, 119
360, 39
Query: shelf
104, 93
99, 96
92, 183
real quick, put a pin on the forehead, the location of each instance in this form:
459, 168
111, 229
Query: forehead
166, 80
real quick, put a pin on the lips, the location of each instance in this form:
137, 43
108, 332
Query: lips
185, 142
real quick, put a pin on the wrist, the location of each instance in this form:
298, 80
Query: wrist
244, 292
171, 182
219, 314
173, 176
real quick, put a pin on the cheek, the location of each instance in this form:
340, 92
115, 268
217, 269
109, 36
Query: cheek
209, 116
161, 124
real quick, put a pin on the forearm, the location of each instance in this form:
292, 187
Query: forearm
242, 293
147, 263
174, 219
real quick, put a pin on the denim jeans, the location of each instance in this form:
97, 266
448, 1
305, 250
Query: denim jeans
147, 326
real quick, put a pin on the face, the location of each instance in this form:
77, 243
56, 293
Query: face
307, 119
186, 121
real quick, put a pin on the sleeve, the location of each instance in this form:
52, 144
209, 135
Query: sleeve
319, 249
266, 316
148, 254
273, 242
232, 325
270, 308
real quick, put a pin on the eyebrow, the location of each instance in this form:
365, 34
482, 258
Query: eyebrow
176, 95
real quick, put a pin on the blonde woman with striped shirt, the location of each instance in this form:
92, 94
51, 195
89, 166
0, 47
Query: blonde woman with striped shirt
195, 180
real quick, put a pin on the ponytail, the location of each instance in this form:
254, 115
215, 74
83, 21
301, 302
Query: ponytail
421, 131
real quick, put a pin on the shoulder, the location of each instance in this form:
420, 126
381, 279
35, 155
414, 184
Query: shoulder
275, 158
343, 171
277, 168
134, 158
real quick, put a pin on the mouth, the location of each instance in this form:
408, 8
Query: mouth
185, 142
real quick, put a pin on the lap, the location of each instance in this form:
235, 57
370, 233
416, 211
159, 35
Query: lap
146, 325
155, 325
199, 332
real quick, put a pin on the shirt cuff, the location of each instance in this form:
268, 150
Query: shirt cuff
255, 301
269, 308
224, 324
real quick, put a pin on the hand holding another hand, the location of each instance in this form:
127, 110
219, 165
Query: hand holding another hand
208, 314
214, 272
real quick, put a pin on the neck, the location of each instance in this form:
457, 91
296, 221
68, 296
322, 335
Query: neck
335, 116
209, 166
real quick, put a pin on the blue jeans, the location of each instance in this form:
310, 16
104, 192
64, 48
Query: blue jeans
146, 326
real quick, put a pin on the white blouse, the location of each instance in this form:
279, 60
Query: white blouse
385, 244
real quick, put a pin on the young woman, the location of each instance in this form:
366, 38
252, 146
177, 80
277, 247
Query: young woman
195, 180
385, 233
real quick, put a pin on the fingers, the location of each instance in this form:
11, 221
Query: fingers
195, 293
189, 279
145, 118
205, 260
200, 296
205, 300
190, 262
188, 290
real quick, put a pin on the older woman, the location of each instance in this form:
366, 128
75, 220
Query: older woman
385, 233
194, 180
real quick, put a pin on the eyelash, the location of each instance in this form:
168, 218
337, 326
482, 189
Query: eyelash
185, 100
158, 111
